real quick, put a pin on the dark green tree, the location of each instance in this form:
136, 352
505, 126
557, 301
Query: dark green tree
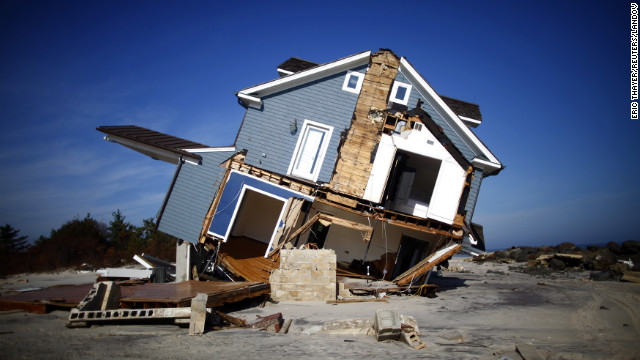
10, 241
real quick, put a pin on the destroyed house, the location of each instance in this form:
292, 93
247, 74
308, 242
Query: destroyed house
359, 155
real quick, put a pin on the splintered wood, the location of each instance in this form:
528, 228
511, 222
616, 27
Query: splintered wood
244, 257
354, 163
427, 264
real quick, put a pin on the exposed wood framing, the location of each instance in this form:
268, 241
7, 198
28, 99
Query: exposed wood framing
206, 223
341, 199
237, 163
306, 226
400, 219
427, 264
272, 177
349, 224
353, 166
368, 230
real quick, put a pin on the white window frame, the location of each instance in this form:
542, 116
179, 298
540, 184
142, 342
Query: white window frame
394, 93
345, 85
323, 150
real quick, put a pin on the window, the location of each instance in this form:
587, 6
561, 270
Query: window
353, 82
400, 93
310, 150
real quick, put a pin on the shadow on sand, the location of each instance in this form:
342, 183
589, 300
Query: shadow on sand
448, 283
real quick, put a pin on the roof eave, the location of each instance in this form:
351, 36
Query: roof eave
154, 152
488, 167
471, 122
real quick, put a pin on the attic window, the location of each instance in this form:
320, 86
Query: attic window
353, 82
400, 93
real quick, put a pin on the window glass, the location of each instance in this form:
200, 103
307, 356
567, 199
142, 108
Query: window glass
400, 94
353, 81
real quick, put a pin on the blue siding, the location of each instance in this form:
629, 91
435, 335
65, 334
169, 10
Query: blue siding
473, 194
231, 196
192, 195
267, 130
467, 152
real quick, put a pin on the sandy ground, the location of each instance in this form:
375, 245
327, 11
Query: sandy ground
481, 314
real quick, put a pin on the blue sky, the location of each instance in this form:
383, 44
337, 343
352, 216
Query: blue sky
551, 79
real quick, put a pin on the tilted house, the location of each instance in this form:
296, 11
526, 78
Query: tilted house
359, 155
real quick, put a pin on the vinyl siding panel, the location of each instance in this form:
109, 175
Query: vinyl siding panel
192, 195
474, 190
466, 151
265, 132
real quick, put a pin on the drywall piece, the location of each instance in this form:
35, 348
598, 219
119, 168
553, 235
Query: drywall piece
124, 273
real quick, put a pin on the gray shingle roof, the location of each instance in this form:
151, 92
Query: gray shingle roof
295, 64
463, 108
155, 139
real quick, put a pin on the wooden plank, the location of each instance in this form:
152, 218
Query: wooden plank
342, 200
231, 319
349, 301
350, 224
632, 276
206, 223
427, 264
300, 230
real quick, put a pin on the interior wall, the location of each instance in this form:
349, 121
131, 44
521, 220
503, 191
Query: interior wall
425, 178
257, 217
348, 243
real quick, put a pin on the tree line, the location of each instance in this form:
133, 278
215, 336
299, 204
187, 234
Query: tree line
83, 242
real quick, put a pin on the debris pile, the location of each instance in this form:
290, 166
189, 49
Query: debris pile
387, 325
610, 262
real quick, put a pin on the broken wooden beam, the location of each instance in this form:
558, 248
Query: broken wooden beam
231, 319
632, 276
349, 224
427, 264
306, 226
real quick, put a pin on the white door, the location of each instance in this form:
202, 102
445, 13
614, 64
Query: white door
446, 194
310, 150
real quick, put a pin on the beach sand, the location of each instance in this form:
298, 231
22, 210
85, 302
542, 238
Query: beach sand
483, 313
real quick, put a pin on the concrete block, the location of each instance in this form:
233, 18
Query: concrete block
387, 325
198, 314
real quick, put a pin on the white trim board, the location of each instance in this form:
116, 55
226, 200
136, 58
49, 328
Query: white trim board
151, 151
211, 149
305, 76
460, 128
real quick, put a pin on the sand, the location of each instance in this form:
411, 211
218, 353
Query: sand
480, 314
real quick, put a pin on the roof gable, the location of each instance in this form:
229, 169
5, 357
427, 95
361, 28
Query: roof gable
486, 160
252, 96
